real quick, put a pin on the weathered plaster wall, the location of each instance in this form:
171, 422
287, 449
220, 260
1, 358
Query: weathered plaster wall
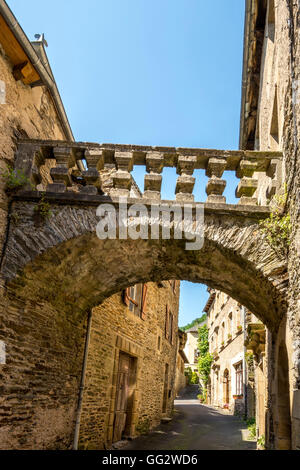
115, 329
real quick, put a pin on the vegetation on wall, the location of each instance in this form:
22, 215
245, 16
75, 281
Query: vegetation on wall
197, 321
205, 359
14, 179
278, 226
43, 208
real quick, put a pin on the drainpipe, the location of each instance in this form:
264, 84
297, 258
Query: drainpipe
82, 382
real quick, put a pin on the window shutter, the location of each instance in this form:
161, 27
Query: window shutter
167, 323
144, 302
126, 296
172, 328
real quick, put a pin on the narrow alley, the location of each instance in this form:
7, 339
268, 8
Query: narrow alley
196, 427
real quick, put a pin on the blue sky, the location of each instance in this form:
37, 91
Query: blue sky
153, 72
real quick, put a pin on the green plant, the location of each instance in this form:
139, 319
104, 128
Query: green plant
14, 179
229, 336
251, 424
239, 327
143, 427
43, 208
261, 441
278, 226
205, 359
192, 376
202, 397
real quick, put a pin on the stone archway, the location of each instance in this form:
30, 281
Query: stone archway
55, 271
63, 255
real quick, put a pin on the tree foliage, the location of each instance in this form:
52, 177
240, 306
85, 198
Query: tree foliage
205, 359
197, 321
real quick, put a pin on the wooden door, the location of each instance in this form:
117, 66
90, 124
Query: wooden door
124, 380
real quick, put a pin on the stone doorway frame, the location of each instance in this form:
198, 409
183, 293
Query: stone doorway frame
124, 345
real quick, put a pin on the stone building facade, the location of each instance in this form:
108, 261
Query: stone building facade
180, 377
270, 120
43, 334
138, 330
148, 336
231, 384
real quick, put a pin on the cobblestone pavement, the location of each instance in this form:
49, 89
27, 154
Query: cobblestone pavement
196, 427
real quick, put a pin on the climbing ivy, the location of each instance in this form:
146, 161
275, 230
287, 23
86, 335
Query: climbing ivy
278, 226
205, 359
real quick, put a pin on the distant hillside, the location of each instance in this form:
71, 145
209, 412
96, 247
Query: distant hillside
194, 322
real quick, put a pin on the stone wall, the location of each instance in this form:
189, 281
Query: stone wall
115, 329
39, 374
278, 113
180, 377
26, 112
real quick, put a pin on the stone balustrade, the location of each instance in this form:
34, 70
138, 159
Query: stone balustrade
78, 167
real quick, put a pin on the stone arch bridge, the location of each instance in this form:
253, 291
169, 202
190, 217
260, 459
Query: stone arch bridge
59, 259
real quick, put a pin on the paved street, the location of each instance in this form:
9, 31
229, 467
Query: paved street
196, 427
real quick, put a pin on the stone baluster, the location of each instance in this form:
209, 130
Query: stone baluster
216, 186
185, 182
248, 185
38, 161
122, 179
274, 172
153, 180
61, 173
95, 162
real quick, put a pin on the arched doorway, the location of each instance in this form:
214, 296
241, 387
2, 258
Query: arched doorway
284, 431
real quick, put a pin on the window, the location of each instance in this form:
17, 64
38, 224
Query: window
271, 20
230, 325
223, 334
135, 298
169, 325
239, 378
274, 130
